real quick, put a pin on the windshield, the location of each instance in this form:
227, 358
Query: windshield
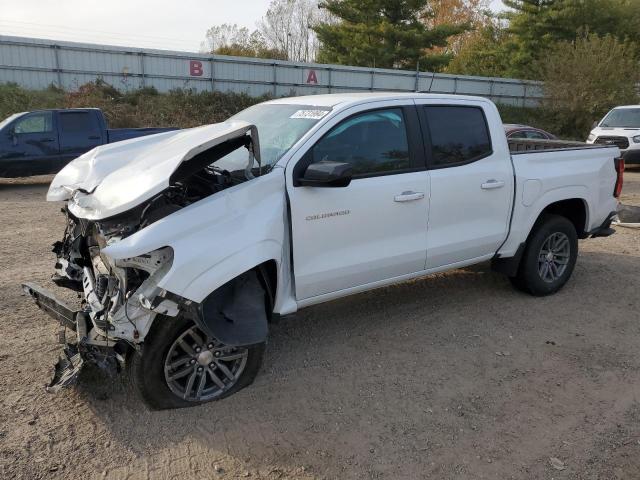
279, 127
622, 118
10, 119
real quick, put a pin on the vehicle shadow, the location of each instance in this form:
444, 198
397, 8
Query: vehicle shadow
363, 375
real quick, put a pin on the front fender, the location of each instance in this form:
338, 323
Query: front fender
217, 238
231, 267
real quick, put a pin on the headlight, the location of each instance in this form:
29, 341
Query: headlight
636, 139
591, 137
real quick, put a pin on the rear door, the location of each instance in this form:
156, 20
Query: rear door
30, 146
375, 228
79, 132
471, 181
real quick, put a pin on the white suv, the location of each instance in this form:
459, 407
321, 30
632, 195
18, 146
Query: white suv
620, 127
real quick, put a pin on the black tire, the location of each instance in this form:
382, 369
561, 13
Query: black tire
529, 278
146, 368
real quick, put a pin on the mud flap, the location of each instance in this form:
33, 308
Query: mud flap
236, 313
67, 369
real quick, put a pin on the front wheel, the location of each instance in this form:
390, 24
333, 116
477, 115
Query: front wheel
180, 366
549, 257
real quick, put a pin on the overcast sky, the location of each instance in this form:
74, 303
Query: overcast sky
177, 24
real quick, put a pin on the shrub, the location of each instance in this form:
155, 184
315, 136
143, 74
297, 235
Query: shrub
140, 108
586, 78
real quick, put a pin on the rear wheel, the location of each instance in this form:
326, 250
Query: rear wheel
549, 258
180, 366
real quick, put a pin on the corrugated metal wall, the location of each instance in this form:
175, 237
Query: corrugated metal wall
36, 64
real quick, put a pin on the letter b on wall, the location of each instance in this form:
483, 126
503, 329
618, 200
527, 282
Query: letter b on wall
195, 68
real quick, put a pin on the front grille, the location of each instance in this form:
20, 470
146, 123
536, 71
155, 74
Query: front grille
621, 142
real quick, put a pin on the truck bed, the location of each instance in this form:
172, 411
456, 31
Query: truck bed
521, 145
543, 168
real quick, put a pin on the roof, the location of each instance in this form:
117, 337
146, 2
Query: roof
334, 99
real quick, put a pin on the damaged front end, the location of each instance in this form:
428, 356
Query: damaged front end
121, 297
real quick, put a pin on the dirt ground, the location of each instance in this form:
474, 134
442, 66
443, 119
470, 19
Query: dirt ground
454, 376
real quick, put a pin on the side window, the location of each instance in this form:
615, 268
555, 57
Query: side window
457, 134
518, 134
536, 135
372, 142
76, 122
40, 122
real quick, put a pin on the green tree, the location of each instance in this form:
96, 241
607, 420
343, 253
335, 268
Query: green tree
530, 29
586, 78
486, 53
535, 26
383, 33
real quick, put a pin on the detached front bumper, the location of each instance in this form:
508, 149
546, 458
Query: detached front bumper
75, 348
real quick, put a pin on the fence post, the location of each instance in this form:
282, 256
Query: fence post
142, 80
275, 79
57, 60
455, 85
213, 74
372, 77
524, 95
433, 76
329, 70
491, 89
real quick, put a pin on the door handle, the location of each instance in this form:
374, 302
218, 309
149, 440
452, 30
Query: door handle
491, 184
94, 137
408, 196
46, 140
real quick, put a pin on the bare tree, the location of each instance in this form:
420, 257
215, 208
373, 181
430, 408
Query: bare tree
285, 32
288, 26
224, 35
227, 39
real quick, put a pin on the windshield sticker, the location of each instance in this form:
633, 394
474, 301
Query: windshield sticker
310, 114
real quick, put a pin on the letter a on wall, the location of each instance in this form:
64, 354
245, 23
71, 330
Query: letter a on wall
312, 78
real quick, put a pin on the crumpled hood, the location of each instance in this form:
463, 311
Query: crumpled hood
114, 178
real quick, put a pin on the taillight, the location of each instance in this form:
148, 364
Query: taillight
619, 162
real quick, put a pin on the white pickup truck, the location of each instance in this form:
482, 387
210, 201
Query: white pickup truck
185, 244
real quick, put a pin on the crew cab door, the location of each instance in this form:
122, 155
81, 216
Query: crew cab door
471, 180
376, 227
29, 145
80, 131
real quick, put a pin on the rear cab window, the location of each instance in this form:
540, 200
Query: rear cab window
455, 135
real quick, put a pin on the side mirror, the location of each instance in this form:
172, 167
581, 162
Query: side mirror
594, 124
14, 137
326, 174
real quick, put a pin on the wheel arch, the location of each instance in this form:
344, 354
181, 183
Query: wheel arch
573, 209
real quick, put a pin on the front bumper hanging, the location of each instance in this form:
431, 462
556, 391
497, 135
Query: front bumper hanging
70, 363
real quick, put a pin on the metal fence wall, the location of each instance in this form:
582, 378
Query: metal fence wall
36, 64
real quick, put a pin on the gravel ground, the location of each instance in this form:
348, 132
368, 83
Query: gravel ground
453, 376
